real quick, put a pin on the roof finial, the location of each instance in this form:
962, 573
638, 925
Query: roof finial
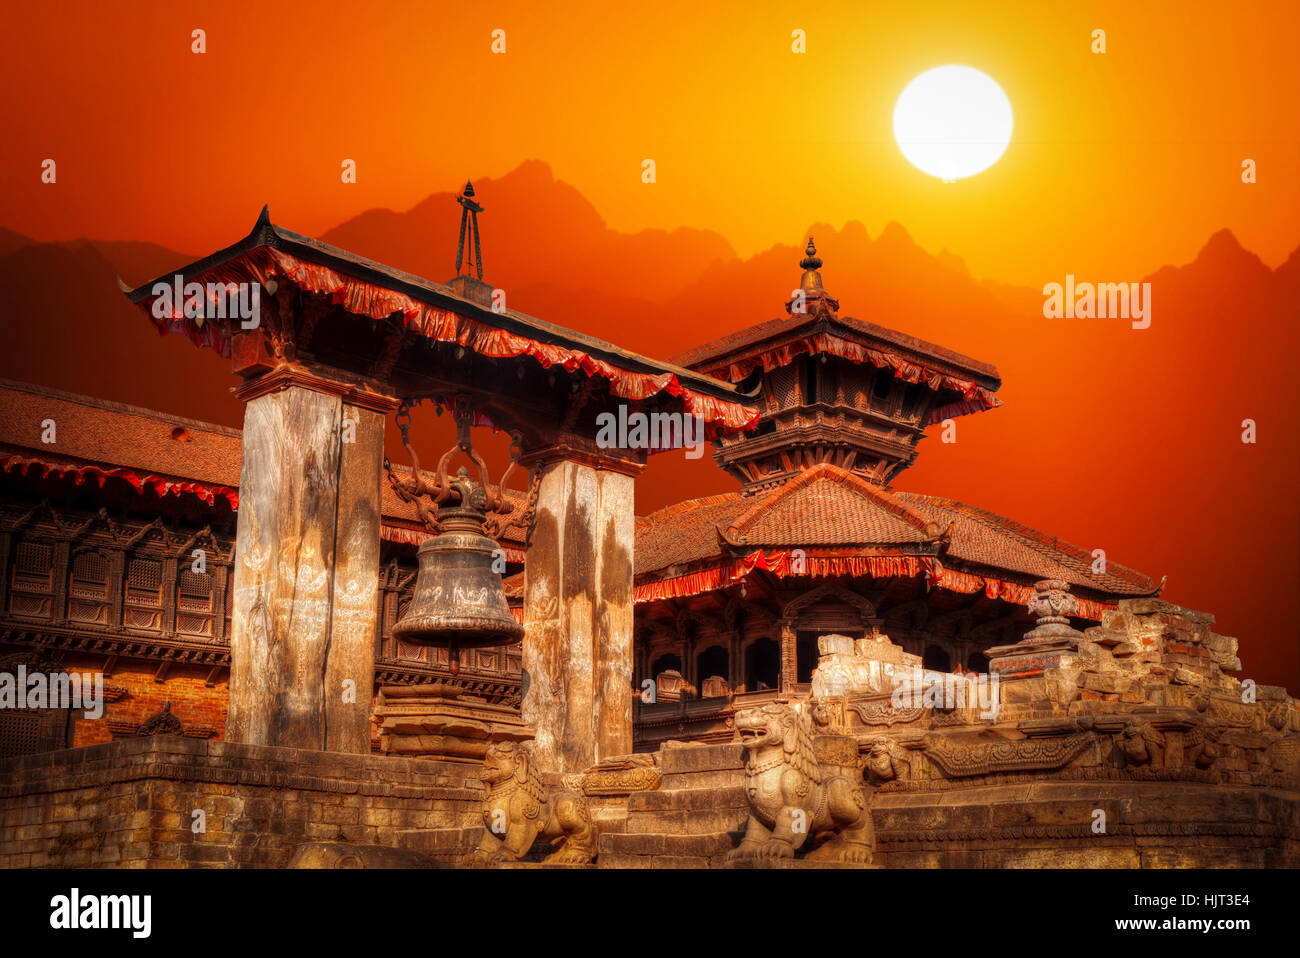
811, 297
811, 260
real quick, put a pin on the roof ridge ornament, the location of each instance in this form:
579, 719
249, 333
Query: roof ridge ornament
469, 211
469, 285
811, 298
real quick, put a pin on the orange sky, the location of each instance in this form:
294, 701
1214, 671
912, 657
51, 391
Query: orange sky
1119, 163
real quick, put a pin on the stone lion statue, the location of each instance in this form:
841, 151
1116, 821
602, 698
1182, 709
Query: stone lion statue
792, 797
517, 811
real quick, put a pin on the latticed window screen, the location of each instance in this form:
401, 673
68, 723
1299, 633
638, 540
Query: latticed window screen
31, 590
194, 593
33, 564
89, 576
88, 589
783, 386
20, 733
144, 582
194, 603
143, 608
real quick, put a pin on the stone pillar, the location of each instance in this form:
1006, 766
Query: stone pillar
577, 655
306, 570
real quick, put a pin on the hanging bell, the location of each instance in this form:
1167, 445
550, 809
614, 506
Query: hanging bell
459, 601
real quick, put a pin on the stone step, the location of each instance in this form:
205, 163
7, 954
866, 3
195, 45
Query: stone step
690, 851
615, 860
702, 766
686, 799
695, 811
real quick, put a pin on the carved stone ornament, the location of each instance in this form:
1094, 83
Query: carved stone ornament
518, 810
1052, 604
792, 797
161, 723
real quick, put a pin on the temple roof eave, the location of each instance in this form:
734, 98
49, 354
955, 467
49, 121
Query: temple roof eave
715, 399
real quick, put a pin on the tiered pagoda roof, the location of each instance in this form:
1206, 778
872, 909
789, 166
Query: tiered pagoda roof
844, 403
837, 389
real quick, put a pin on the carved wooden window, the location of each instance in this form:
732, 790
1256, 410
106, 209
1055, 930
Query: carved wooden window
31, 588
783, 386
808, 379
143, 608
826, 380
25, 731
913, 401
194, 603
88, 589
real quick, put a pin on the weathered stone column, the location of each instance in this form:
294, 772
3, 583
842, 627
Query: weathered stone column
577, 656
306, 566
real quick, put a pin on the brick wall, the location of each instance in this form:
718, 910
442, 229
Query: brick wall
131, 803
200, 707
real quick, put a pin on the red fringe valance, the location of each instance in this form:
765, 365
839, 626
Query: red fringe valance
367, 299
975, 397
206, 493
779, 564
158, 484
878, 567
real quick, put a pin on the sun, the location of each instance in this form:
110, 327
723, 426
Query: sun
952, 122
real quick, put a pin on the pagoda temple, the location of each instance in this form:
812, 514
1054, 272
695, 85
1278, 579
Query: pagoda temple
245, 598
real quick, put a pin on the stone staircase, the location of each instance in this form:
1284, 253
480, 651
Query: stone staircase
695, 817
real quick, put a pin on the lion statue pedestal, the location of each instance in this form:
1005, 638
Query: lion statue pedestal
794, 798
518, 810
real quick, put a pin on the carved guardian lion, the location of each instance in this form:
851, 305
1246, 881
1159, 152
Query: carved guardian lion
518, 810
792, 797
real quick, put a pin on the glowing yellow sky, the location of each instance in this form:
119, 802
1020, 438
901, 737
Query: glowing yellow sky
1120, 162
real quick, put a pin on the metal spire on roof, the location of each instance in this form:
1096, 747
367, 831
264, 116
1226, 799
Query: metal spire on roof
469, 224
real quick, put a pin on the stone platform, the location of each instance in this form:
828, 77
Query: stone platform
131, 803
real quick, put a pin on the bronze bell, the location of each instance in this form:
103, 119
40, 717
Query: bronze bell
459, 602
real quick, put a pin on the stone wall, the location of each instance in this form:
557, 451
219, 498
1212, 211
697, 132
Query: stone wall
131, 803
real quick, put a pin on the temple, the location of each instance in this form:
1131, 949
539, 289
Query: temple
246, 598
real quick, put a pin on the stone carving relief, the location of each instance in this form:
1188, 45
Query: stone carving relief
794, 798
518, 810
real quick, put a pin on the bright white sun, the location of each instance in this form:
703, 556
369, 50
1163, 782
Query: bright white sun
952, 122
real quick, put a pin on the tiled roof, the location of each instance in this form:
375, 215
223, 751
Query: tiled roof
828, 507
97, 432
985, 538
686, 532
